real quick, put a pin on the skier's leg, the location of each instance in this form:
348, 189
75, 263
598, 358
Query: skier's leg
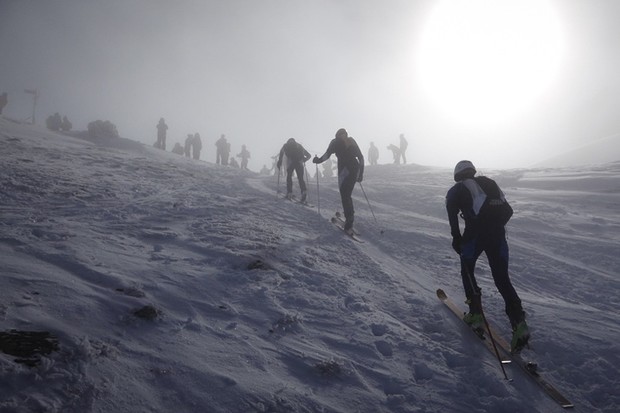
347, 180
470, 251
289, 181
497, 253
299, 170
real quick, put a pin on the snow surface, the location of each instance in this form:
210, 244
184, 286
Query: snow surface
264, 306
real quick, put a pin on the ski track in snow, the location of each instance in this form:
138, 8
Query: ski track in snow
266, 307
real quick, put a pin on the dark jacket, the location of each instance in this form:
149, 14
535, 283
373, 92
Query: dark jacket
482, 204
295, 154
348, 153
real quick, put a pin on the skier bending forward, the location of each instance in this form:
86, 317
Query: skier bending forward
350, 170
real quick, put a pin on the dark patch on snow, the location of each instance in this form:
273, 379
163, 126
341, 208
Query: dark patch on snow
28, 346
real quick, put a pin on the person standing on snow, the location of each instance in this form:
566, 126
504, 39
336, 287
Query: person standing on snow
296, 156
187, 149
245, 156
403, 144
486, 212
221, 144
350, 170
196, 146
4, 100
373, 154
161, 134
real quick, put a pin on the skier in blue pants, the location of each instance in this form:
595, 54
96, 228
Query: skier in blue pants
485, 210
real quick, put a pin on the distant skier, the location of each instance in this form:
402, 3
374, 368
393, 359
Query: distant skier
226, 155
485, 211
403, 147
4, 100
196, 146
296, 156
66, 124
373, 154
350, 170
328, 168
161, 134
187, 149
395, 153
233, 163
221, 147
245, 156
178, 149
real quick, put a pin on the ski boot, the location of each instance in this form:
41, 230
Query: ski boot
304, 194
520, 337
475, 322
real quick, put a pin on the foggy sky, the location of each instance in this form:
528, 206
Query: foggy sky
262, 71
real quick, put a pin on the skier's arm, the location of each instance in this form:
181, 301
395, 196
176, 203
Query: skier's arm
360, 158
327, 154
280, 158
453, 209
306, 155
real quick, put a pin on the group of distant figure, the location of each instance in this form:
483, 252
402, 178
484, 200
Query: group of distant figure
398, 151
57, 123
193, 146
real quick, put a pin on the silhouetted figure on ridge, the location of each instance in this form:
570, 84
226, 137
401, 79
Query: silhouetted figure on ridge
403, 147
245, 156
395, 152
373, 154
4, 100
196, 146
161, 134
296, 156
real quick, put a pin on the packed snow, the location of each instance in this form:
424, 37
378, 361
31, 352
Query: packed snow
176, 285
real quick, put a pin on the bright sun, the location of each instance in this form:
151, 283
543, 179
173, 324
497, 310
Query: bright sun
485, 61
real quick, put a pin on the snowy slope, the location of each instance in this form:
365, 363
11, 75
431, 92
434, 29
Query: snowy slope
264, 306
604, 150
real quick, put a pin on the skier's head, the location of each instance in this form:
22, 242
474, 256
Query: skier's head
464, 170
290, 141
342, 133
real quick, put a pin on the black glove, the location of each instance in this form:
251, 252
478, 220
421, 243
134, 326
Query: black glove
456, 244
316, 159
360, 177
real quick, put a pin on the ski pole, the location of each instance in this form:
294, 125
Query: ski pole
318, 198
373, 213
278, 188
307, 177
484, 318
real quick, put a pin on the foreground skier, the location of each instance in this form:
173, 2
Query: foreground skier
350, 170
486, 212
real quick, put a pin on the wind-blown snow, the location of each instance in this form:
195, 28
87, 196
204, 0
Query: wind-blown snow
264, 306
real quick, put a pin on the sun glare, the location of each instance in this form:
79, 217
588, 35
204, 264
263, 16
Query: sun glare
485, 61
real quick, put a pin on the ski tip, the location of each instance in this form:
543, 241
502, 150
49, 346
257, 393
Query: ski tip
441, 294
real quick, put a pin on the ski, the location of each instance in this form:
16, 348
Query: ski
298, 201
338, 216
339, 224
457, 312
529, 368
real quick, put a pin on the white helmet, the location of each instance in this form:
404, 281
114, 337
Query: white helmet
464, 169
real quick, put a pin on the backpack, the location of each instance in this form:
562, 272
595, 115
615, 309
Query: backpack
489, 203
294, 151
